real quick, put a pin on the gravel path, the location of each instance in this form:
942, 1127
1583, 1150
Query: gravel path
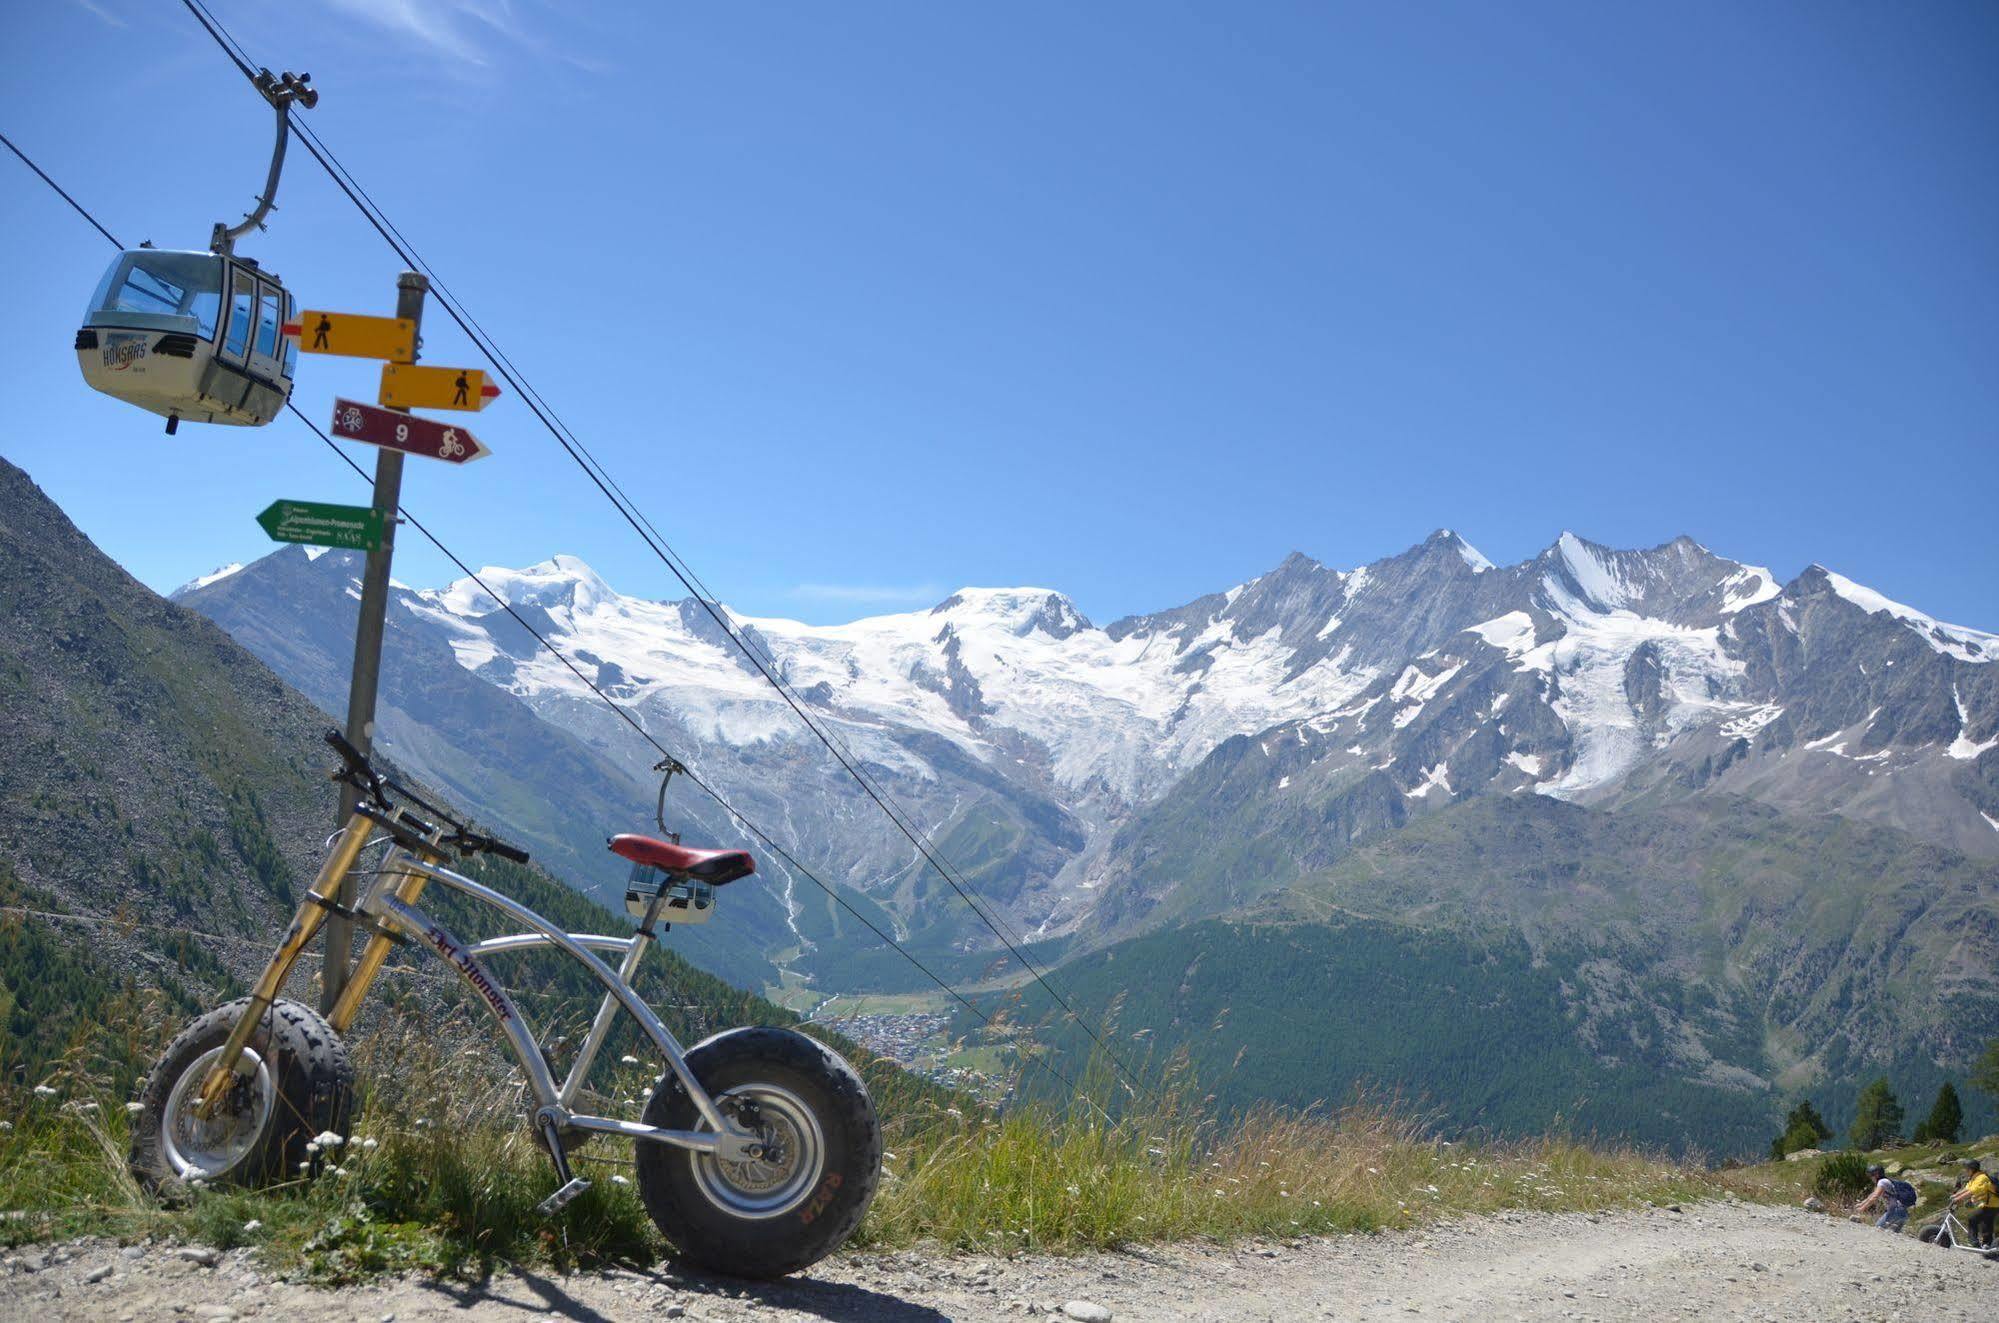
1721, 1261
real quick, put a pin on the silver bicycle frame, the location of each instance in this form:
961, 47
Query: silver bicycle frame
554, 1101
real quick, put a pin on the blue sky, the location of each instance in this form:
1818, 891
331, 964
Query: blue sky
867, 301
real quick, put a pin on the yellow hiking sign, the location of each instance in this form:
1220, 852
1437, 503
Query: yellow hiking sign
407, 386
355, 335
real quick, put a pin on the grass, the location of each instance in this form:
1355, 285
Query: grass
441, 1175
1031, 1181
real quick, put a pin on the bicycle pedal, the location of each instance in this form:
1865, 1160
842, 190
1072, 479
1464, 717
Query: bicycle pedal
563, 1197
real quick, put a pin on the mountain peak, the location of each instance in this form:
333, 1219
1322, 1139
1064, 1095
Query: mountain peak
1019, 611
213, 576
560, 581
1957, 641
562, 565
1470, 554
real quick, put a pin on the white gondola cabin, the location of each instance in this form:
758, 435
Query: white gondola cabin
200, 336
190, 336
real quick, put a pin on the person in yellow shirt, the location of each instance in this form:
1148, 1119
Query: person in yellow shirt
1979, 1195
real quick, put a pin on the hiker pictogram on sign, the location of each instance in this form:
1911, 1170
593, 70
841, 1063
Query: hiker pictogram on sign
354, 335
417, 386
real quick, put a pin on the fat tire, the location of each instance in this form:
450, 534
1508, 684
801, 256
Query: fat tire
712, 1238
311, 1073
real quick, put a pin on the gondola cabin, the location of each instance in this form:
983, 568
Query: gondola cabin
191, 336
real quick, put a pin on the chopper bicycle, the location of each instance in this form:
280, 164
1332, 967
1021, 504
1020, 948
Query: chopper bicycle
1948, 1232
757, 1152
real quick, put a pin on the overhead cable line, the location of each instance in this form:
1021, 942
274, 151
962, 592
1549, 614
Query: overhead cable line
677, 564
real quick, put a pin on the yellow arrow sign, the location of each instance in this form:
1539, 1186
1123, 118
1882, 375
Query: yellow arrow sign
355, 335
407, 386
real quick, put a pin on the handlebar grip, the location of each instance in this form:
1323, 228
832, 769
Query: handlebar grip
505, 851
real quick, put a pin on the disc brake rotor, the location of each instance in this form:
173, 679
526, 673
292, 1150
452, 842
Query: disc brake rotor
778, 1179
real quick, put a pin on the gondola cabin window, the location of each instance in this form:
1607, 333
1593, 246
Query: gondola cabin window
161, 291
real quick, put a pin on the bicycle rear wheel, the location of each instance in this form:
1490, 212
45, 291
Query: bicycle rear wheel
796, 1204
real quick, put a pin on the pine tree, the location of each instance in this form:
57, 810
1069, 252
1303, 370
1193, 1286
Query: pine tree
1946, 1118
1877, 1116
1803, 1128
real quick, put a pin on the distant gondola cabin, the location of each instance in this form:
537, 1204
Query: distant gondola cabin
195, 337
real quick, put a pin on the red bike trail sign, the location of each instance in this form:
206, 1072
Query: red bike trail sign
354, 421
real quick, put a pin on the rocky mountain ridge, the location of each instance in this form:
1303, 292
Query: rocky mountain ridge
1040, 744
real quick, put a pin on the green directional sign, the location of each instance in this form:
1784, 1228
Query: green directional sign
350, 527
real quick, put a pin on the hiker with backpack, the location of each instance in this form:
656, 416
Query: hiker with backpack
1895, 1197
1980, 1196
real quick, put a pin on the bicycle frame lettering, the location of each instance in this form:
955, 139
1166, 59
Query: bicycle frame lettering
447, 946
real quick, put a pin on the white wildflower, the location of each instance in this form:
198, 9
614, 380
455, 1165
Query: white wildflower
44, 1091
327, 1139
252, 1225
368, 1145
628, 1059
619, 1180
135, 1108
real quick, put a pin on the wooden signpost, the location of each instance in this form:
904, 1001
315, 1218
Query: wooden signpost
394, 433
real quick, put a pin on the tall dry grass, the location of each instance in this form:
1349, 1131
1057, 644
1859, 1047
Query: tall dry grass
441, 1173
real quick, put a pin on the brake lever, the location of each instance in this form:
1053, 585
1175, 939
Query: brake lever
356, 770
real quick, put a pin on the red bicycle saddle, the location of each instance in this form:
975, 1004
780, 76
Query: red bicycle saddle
715, 867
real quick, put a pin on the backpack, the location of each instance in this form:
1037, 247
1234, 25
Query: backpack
1903, 1192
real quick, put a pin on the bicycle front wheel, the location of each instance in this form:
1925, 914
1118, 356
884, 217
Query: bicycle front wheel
294, 1082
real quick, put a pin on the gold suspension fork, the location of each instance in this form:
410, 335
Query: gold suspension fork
375, 953
305, 924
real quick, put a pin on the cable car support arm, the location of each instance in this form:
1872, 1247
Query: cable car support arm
281, 91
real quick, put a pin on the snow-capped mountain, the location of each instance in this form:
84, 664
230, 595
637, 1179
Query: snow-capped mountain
1039, 749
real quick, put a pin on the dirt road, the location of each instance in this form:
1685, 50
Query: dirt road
1721, 1261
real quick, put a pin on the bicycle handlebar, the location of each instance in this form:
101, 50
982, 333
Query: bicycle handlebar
361, 774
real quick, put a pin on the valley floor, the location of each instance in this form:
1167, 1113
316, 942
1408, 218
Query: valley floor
1711, 1261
